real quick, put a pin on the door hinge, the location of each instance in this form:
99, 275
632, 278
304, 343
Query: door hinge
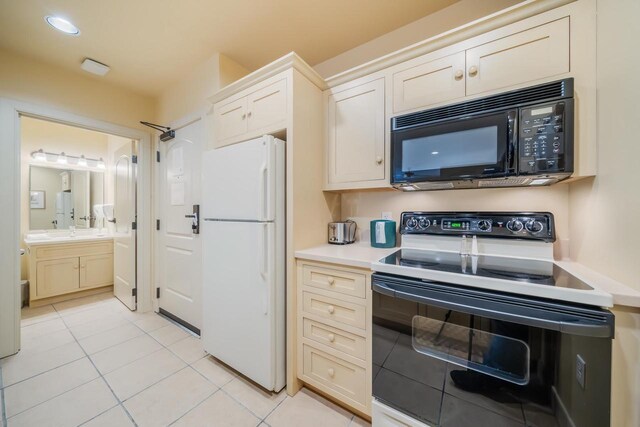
134, 292
158, 293
134, 225
157, 224
134, 159
158, 156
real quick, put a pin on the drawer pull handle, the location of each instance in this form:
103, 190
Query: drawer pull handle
331, 337
331, 372
331, 280
331, 309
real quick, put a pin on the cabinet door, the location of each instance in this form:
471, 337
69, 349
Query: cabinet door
230, 120
58, 276
96, 270
537, 53
267, 106
356, 134
429, 83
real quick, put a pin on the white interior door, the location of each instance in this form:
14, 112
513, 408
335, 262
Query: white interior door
124, 212
179, 251
80, 191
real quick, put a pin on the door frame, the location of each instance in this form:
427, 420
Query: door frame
10, 167
176, 125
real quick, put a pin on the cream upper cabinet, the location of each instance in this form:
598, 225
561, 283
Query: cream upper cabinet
261, 111
267, 106
55, 277
431, 82
230, 120
537, 53
356, 134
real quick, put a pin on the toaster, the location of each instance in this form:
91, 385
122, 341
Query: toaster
342, 233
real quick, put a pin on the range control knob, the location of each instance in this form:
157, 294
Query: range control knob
424, 223
515, 225
412, 223
484, 225
534, 226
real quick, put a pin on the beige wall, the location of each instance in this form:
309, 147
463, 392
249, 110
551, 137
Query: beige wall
39, 83
453, 16
190, 93
602, 210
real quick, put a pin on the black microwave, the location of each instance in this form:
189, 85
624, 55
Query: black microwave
518, 138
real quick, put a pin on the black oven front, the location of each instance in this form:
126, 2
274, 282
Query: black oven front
447, 355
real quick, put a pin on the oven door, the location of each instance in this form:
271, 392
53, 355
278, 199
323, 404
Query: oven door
447, 355
466, 148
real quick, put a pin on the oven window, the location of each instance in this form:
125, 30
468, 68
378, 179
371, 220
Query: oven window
451, 150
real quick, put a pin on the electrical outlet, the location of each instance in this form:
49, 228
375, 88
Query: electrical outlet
387, 215
581, 370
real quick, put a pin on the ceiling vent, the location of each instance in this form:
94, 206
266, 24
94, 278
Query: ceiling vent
95, 67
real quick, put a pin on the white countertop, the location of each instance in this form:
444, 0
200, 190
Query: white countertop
359, 254
56, 240
362, 255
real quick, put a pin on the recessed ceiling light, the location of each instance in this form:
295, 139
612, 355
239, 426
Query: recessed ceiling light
63, 25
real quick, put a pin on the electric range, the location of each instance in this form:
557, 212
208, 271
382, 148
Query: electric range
474, 324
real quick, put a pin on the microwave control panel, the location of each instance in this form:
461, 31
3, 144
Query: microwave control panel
544, 138
518, 225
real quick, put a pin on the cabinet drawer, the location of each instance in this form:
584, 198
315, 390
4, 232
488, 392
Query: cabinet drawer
344, 282
335, 338
334, 309
429, 83
73, 250
534, 54
337, 375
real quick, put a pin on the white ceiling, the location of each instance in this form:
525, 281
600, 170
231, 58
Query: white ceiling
151, 43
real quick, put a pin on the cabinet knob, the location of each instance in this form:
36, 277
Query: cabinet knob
82, 266
331, 280
244, 116
459, 75
331, 372
249, 114
379, 160
331, 337
331, 309
75, 267
473, 71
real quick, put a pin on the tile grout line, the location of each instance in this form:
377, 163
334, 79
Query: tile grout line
100, 376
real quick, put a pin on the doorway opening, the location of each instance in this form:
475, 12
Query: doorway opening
78, 213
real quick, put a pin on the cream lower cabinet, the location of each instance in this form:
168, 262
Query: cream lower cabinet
333, 341
356, 135
64, 269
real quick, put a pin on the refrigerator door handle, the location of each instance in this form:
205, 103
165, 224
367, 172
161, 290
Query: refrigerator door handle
264, 268
264, 202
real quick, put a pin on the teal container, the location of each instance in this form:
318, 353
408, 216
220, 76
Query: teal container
383, 233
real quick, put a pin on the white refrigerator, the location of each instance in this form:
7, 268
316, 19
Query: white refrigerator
243, 234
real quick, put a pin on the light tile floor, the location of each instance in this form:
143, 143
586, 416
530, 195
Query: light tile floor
92, 362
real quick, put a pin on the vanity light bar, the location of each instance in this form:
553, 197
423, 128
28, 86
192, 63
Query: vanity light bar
43, 156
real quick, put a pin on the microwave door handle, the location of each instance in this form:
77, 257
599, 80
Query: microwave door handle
579, 327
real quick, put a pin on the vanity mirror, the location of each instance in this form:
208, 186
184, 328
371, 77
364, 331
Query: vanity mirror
62, 197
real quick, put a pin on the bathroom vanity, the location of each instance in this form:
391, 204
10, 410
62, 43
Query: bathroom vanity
65, 267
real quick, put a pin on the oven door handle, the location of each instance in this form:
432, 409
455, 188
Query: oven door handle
580, 326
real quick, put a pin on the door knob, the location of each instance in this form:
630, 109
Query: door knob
458, 75
331, 337
473, 71
331, 309
195, 219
